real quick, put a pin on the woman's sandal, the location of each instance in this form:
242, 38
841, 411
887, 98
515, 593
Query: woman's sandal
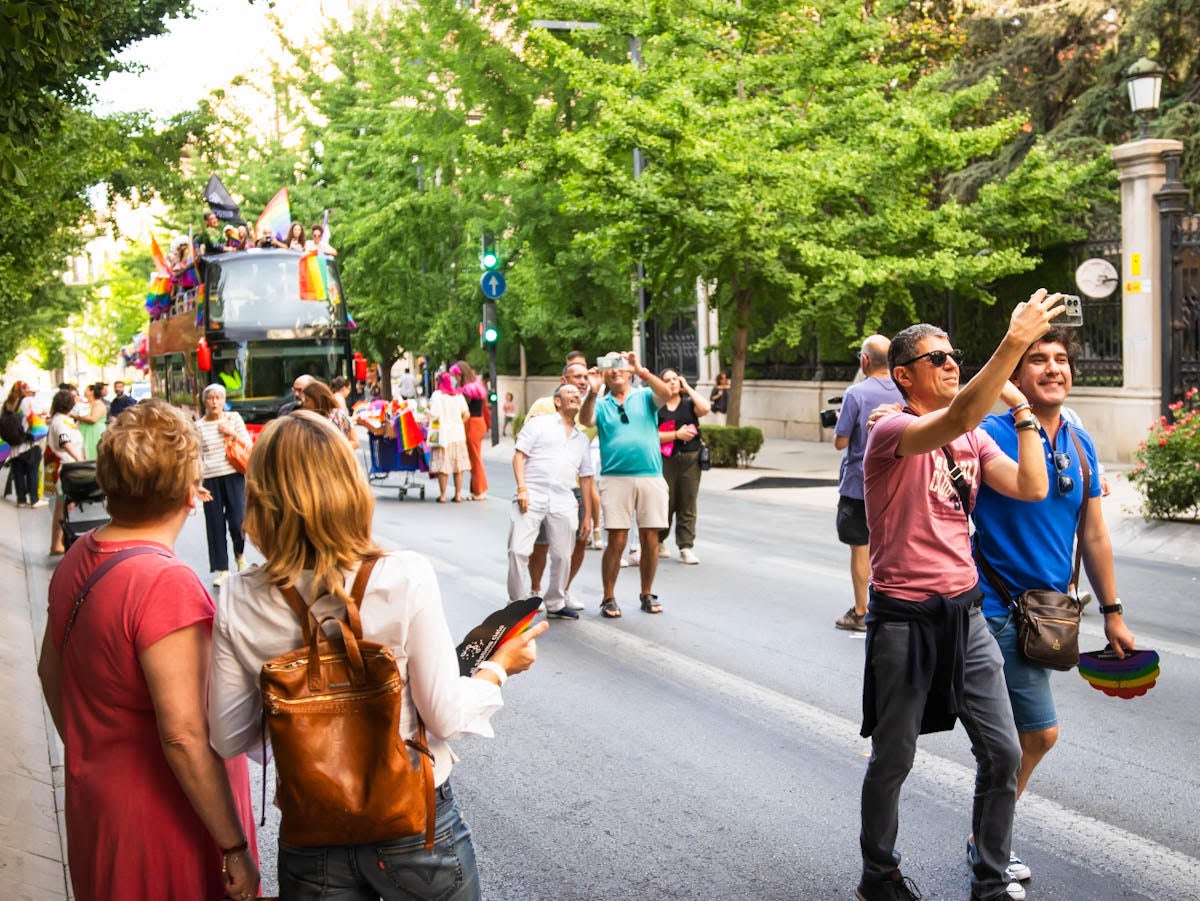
609, 608
650, 603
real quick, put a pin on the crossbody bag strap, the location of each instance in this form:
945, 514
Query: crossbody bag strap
97, 574
1083, 506
964, 495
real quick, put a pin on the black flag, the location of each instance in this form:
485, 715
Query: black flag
221, 203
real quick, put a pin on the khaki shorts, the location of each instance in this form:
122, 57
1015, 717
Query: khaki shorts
623, 496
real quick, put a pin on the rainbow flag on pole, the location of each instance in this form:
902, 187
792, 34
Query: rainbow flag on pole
276, 217
160, 258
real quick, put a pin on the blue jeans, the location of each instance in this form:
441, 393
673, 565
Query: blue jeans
399, 870
1028, 684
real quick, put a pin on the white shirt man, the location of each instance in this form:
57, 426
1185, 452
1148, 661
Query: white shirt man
551, 454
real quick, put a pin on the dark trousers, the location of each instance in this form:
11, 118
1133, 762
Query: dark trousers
988, 720
226, 509
681, 471
25, 474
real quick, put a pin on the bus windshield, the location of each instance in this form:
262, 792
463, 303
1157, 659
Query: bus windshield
260, 291
258, 375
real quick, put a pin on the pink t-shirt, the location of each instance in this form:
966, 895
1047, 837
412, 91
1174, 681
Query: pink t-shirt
920, 543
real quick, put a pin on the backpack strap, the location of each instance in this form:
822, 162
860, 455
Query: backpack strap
959, 480
97, 574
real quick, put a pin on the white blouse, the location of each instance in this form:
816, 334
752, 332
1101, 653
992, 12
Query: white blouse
448, 409
401, 608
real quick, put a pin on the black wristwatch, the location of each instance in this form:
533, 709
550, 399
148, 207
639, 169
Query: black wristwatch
1106, 609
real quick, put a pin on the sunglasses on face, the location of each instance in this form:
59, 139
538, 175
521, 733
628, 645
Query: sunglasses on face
938, 358
621, 412
1066, 484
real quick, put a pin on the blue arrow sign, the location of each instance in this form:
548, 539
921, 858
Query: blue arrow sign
493, 285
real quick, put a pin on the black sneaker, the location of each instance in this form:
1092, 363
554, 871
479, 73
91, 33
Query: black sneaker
896, 888
563, 613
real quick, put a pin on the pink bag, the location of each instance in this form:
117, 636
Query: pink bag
667, 447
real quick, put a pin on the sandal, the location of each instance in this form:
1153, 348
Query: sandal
609, 608
650, 603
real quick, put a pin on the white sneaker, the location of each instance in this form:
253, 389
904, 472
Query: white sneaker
1017, 870
41, 502
597, 540
664, 551
570, 603
1016, 891
241, 564
222, 575
688, 556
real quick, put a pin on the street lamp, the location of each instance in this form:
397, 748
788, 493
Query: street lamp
1144, 80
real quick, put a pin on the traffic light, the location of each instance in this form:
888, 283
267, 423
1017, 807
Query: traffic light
489, 331
488, 258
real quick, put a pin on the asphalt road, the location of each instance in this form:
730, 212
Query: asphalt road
713, 752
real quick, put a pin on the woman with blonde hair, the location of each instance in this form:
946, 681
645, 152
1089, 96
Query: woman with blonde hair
309, 510
149, 806
449, 455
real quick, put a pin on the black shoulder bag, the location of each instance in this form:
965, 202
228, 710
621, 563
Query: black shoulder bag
1047, 621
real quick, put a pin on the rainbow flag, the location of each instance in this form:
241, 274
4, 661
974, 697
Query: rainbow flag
38, 427
314, 276
276, 216
409, 432
160, 258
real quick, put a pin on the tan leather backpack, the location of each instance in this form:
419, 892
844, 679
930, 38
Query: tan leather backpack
345, 776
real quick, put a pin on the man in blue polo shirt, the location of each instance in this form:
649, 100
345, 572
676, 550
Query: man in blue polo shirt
1030, 544
631, 480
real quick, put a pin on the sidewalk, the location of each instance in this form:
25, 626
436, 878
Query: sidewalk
813, 467
31, 849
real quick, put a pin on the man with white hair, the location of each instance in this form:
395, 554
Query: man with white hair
551, 454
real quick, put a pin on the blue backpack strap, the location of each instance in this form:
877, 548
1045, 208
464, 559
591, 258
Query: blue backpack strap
97, 574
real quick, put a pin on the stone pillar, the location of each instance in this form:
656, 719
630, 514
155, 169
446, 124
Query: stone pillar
1143, 172
707, 335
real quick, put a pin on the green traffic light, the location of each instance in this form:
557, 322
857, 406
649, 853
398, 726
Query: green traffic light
493, 397
489, 260
490, 334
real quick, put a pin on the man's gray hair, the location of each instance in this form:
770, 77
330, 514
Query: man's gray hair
904, 346
559, 390
567, 368
212, 389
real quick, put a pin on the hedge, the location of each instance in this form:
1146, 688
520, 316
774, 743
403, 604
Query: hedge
732, 445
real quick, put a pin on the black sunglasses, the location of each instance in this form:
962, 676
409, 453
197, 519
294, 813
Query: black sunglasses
624, 416
1066, 484
938, 358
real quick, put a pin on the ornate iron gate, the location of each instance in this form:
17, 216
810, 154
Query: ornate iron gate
1180, 274
674, 343
1100, 337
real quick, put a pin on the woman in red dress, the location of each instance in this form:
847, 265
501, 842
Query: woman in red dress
150, 810
470, 386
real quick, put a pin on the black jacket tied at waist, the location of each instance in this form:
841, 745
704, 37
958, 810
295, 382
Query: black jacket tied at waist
937, 645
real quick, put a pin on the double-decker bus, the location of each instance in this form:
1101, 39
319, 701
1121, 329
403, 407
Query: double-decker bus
246, 327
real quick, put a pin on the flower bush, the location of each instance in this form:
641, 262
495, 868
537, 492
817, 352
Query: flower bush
1167, 463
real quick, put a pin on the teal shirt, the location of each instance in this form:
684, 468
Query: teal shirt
629, 449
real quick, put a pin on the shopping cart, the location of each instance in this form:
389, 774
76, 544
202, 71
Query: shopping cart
389, 456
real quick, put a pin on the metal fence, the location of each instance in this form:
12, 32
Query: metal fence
1186, 310
1100, 359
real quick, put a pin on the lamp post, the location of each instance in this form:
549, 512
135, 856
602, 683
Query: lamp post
1144, 81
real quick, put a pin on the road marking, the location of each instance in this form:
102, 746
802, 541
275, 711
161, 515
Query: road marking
1151, 867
